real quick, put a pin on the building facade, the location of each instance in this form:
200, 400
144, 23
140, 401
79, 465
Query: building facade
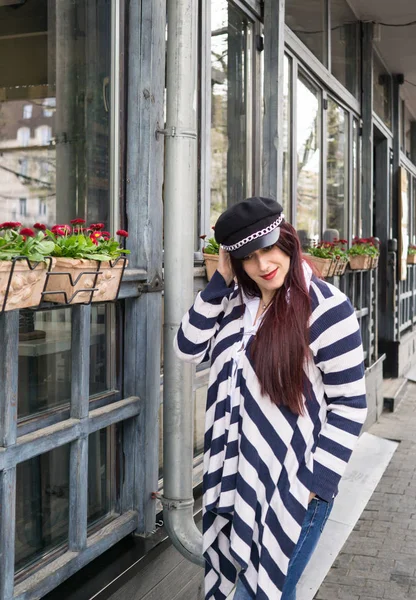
312, 102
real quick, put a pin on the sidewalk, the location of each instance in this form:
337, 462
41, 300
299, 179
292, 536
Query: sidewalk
378, 561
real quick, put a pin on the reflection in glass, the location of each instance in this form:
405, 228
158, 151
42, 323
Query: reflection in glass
308, 147
382, 91
54, 112
231, 106
287, 154
308, 21
42, 505
45, 358
345, 46
337, 169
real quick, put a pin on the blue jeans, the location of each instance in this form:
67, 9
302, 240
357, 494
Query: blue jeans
313, 524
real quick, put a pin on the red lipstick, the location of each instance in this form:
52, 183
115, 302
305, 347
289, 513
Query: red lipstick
269, 275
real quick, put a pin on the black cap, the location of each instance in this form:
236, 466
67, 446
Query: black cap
249, 225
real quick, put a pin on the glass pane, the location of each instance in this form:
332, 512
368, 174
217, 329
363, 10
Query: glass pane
54, 111
308, 21
308, 147
231, 106
42, 497
356, 223
42, 505
345, 46
382, 91
337, 170
45, 358
287, 154
407, 131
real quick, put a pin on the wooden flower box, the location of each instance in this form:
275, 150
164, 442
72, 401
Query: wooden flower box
321, 265
23, 284
374, 261
211, 264
360, 262
76, 281
411, 259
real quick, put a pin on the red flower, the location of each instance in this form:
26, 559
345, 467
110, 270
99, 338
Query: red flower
10, 225
94, 240
77, 221
61, 228
26, 231
202, 237
106, 235
58, 231
96, 226
39, 226
122, 233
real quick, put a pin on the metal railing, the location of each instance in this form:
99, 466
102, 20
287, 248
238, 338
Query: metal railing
361, 288
407, 300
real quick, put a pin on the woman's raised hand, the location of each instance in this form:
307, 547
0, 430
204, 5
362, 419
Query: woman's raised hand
224, 266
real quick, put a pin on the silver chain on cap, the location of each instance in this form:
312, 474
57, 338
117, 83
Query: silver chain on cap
255, 235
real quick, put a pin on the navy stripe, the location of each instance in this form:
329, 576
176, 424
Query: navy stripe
213, 388
266, 428
344, 424
285, 543
202, 322
345, 376
188, 347
353, 402
322, 286
334, 448
211, 480
272, 569
225, 344
340, 347
332, 316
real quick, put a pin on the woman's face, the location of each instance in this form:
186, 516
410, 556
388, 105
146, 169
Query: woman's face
268, 267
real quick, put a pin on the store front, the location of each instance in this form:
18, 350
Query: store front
305, 106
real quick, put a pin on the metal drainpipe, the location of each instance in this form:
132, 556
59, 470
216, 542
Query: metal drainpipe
179, 210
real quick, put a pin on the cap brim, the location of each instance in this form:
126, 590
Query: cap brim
261, 242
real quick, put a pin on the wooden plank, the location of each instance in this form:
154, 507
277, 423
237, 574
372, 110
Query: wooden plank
64, 432
80, 346
274, 45
9, 335
114, 413
413, 142
7, 532
49, 577
143, 316
194, 589
177, 578
78, 494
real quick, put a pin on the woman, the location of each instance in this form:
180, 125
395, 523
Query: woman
285, 404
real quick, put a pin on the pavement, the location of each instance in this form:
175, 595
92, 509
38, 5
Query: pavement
378, 560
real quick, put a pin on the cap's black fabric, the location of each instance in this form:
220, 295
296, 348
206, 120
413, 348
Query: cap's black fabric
245, 218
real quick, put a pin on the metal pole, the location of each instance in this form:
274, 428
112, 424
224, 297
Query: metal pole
180, 196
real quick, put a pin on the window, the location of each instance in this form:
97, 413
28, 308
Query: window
308, 21
345, 46
42, 208
22, 207
49, 105
382, 91
337, 170
308, 148
27, 111
43, 135
42, 507
69, 94
231, 106
23, 136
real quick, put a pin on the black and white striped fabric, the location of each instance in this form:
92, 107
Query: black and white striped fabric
261, 461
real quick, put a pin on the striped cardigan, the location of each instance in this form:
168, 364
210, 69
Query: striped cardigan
261, 461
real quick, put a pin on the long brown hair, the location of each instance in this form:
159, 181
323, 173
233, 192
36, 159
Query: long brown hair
281, 345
